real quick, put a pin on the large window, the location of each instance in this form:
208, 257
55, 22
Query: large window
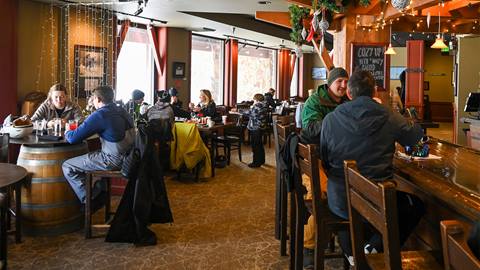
135, 66
207, 68
256, 71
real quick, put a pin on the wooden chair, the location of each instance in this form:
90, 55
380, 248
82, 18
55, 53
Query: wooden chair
456, 253
284, 125
3, 231
377, 203
232, 139
4, 139
326, 224
107, 175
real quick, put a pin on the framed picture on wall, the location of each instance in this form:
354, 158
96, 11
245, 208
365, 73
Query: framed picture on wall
90, 69
178, 70
426, 85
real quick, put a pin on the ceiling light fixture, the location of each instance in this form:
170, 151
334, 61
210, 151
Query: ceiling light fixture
439, 44
264, 2
390, 49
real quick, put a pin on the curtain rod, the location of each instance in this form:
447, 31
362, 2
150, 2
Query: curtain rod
114, 11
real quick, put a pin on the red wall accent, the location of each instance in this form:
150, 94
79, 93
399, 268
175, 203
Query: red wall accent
8, 56
231, 73
161, 50
414, 80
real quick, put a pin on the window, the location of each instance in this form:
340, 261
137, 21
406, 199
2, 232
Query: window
256, 71
135, 66
207, 68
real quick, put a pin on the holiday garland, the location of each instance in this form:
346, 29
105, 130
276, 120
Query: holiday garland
300, 15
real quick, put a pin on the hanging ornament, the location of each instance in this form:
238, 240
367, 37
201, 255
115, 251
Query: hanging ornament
429, 17
400, 4
315, 20
323, 28
299, 52
304, 33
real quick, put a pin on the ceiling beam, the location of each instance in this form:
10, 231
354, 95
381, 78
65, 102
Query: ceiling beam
375, 7
392, 13
274, 17
303, 3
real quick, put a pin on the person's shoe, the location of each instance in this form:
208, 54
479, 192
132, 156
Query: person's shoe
369, 249
308, 258
97, 202
254, 165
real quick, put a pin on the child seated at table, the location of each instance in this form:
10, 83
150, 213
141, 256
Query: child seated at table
257, 123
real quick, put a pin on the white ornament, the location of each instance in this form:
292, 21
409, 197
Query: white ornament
400, 4
304, 33
429, 17
315, 21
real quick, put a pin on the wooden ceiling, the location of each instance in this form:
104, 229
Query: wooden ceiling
457, 16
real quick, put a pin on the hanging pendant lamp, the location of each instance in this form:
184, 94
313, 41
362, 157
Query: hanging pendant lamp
390, 49
439, 44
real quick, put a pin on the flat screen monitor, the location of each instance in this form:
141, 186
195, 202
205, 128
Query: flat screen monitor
319, 73
473, 102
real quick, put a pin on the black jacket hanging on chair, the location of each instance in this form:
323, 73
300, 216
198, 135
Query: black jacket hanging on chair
145, 198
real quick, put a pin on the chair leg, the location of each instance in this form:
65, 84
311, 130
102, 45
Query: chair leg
240, 151
107, 203
283, 219
18, 213
292, 236
3, 236
88, 210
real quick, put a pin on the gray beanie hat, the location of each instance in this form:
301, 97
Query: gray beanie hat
336, 73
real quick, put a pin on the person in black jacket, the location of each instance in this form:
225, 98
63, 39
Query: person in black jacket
176, 104
207, 106
269, 98
366, 131
257, 123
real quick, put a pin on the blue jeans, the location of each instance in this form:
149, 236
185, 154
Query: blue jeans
75, 170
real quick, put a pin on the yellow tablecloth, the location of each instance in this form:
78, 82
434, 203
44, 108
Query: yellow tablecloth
188, 148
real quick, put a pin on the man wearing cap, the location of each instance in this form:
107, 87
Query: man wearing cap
321, 102
177, 104
133, 105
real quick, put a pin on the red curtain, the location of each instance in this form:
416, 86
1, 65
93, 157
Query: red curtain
231, 73
286, 66
8, 54
122, 35
158, 37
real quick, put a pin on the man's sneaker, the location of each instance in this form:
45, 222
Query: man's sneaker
369, 249
308, 259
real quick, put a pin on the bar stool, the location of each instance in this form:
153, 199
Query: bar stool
107, 175
3, 231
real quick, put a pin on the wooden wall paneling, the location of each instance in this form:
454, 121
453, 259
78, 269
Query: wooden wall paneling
441, 111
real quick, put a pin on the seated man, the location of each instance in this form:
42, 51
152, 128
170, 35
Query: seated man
366, 131
320, 103
134, 104
117, 133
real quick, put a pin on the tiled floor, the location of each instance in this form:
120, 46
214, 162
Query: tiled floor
222, 223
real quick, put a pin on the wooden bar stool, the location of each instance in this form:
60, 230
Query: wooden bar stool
456, 252
3, 230
326, 224
377, 203
107, 175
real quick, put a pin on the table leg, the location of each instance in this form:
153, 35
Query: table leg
212, 154
18, 212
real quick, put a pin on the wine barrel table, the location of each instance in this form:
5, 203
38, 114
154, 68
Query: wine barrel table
49, 205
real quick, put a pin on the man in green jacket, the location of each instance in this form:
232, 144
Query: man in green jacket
324, 100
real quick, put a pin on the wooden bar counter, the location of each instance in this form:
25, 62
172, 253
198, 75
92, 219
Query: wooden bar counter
450, 188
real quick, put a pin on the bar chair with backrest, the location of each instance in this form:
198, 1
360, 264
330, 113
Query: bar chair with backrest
284, 125
326, 224
376, 203
233, 137
456, 252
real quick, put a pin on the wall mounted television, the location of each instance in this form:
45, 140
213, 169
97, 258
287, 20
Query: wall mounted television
319, 73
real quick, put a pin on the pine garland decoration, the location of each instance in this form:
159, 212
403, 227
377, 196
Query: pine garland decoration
297, 14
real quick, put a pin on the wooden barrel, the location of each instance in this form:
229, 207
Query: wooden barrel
49, 205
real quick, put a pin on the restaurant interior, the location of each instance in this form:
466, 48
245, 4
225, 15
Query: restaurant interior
202, 195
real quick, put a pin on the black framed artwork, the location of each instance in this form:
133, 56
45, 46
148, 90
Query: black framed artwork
426, 85
178, 69
90, 69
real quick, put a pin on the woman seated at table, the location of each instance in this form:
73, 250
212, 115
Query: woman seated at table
57, 105
207, 106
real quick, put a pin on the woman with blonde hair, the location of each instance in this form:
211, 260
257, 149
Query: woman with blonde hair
207, 106
57, 105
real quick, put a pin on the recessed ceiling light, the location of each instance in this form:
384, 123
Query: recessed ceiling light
264, 2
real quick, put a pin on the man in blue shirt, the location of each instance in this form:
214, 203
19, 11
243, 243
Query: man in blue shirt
116, 130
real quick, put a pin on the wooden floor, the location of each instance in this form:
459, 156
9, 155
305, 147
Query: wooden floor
444, 132
222, 223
